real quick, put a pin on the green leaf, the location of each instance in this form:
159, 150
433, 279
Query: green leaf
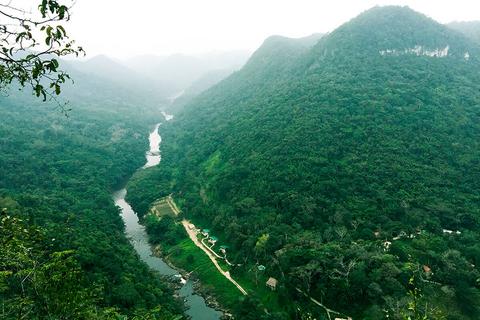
49, 30
61, 12
38, 90
62, 29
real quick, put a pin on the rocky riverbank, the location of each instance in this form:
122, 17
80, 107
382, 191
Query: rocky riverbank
209, 297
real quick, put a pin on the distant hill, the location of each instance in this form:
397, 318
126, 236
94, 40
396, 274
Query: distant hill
283, 48
111, 82
104, 66
160, 78
200, 85
115, 72
338, 162
469, 28
177, 72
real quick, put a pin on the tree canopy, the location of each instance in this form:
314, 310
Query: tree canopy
341, 164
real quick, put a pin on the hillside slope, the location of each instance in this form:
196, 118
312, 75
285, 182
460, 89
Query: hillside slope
56, 177
340, 166
115, 73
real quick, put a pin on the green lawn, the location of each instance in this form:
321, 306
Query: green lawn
161, 208
225, 292
191, 258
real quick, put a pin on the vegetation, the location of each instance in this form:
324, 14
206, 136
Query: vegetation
64, 252
169, 236
340, 163
182, 252
346, 165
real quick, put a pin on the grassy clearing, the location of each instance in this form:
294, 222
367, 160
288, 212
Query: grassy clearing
162, 208
227, 295
268, 297
191, 258
188, 256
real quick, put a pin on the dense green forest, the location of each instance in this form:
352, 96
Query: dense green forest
346, 165
64, 252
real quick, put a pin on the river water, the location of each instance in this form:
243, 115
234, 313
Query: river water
196, 307
153, 155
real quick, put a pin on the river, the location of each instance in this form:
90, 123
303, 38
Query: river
196, 307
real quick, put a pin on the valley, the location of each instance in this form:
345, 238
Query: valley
135, 232
334, 176
318, 152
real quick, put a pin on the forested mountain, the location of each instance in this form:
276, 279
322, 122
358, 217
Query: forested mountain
116, 73
64, 254
469, 28
344, 164
160, 78
284, 46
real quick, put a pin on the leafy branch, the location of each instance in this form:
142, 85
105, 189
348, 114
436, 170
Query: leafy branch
31, 44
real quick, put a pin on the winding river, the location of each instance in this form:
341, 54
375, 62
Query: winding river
196, 307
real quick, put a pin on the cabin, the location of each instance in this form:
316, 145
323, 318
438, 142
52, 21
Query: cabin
191, 226
386, 245
205, 232
451, 231
401, 235
427, 269
212, 240
272, 283
223, 249
261, 267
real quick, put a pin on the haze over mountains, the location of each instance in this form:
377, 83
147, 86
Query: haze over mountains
163, 77
177, 72
338, 162
469, 28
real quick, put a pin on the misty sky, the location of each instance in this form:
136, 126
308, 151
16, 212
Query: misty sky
122, 28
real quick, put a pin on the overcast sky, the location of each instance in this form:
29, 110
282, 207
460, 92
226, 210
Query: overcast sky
122, 28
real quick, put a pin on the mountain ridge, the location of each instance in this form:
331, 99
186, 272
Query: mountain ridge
308, 161
394, 28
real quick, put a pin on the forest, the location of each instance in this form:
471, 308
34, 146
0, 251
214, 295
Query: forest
347, 164
338, 172
64, 252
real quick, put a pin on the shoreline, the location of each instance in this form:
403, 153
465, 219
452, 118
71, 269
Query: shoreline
199, 288
193, 237
175, 277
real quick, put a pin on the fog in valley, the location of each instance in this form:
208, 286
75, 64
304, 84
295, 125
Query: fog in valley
173, 48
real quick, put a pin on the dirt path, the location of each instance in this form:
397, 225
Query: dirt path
327, 310
193, 236
172, 205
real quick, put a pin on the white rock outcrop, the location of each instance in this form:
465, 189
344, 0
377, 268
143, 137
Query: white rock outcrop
418, 50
